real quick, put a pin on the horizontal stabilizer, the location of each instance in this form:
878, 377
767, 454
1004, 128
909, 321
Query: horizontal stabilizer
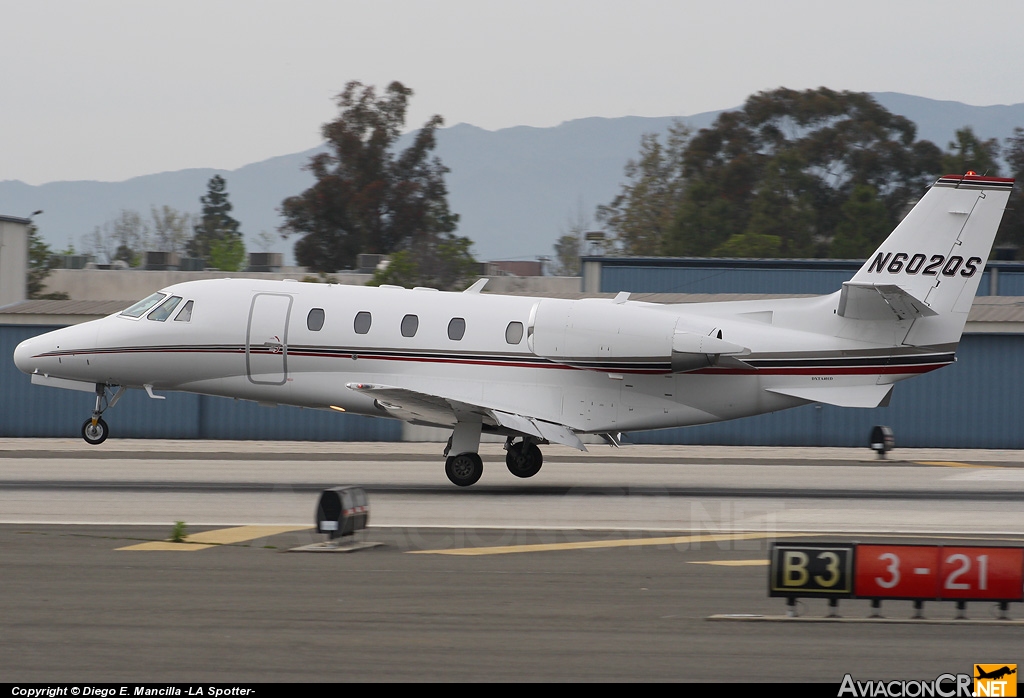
841, 396
868, 301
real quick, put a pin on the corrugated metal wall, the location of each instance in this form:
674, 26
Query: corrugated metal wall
1011, 283
790, 277
32, 410
974, 403
639, 279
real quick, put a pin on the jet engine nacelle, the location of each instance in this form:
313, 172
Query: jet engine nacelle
602, 332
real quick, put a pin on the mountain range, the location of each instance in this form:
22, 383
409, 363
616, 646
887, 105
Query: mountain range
516, 189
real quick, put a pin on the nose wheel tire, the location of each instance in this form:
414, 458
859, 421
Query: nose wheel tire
95, 433
464, 469
524, 459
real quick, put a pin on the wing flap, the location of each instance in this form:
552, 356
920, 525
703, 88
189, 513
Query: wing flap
416, 406
841, 396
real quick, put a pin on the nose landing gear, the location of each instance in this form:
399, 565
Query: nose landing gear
95, 431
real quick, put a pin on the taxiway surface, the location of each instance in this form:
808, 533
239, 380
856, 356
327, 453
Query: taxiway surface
604, 567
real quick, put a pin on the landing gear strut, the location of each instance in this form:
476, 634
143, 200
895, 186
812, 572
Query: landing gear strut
465, 467
95, 431
523, 459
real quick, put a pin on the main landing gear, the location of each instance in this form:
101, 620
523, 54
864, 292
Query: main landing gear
95, 431
464, 469
523, 457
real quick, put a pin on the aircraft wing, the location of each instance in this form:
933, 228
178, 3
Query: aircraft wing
438, 410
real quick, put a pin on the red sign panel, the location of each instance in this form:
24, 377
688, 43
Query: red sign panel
981, 573
896, 571
939, 572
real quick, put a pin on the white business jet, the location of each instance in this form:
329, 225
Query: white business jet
542, 371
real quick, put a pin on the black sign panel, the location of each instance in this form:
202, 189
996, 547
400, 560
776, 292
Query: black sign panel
808, 570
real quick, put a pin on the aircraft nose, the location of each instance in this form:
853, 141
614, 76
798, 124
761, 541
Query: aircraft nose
23, 355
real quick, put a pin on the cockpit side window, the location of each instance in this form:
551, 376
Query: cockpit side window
145, 304
164, 310
185, 314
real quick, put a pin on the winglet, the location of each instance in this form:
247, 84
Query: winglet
477, 286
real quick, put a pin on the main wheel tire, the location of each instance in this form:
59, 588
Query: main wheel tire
464, 469
95, 434
524, 459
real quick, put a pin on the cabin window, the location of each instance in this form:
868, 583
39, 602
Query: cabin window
457, 329
145, 304
514, 333
362, 323
410, 323
315, 320
185, 314
164, 310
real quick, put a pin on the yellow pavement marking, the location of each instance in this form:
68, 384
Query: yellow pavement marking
619, 543
730, 563
219, 536
165, 545
953, 464
240, 534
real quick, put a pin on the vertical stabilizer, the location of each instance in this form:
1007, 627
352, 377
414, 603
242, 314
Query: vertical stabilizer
937, 254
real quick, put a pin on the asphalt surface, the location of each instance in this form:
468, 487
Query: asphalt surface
593, 571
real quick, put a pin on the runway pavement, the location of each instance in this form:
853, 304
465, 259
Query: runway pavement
633, 488
606, 566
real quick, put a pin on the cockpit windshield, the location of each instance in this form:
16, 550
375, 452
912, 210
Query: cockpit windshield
163, 311
145, 304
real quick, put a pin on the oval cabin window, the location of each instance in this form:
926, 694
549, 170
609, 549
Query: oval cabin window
410, 323
457, 329
315, 320
362, 322
514, 333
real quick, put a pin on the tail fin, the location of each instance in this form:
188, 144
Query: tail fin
929, 268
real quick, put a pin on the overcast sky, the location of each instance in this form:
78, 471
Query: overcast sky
111, 89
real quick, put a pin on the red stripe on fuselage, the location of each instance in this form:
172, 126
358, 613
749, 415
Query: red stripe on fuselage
711, 370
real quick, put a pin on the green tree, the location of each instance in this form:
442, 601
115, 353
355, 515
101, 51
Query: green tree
774, 175
782, 215
172, 229
39, 260
969, 153
570, 245
444, 263
1011, 230
227, 253
366, 198
217, 233
642, 212
864, 223
703, 222
123, 238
